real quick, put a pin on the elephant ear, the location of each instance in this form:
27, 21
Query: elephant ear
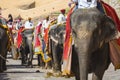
108, 29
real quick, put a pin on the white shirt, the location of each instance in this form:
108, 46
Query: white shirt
18, 25
61, 19
9, 25
86, 4
29, 25
45, 25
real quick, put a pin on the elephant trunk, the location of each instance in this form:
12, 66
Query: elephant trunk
83, 67
83, 57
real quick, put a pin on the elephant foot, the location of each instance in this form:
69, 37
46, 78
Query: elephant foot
57, 74
29, 66
67, 75
29, 63
49, 67
23, 63
1, 71
4, 68
49, 74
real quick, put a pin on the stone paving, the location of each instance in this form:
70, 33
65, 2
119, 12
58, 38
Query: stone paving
17, 72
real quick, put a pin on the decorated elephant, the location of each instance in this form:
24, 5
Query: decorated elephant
92, 31
26, 48
57, 36
4, 44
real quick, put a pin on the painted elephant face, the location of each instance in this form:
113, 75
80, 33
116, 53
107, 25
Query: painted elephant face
58, 34
91, 31
92, 28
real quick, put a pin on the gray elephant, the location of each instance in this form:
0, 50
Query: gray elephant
57, 36
4, 41
26, 48
92, 31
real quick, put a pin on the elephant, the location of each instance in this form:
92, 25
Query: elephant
57, 36
92, 32
4, 43
26, 48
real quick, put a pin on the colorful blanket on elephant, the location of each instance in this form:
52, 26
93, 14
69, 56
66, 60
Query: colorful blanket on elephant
67, 52
46, 36
45, 45
115, 53
19, 37
44, 54
37, 42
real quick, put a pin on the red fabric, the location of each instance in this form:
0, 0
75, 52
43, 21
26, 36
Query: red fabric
46, 35
67, 39
111, 13
115, 54
37, 31
19, 37
67, 52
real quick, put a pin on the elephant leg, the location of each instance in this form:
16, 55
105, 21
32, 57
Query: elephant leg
4, 62
49, 62
31, 53
1, 70
23, 56
55, 57
75, 69
30, 59
4, 65
1, 60
42, 63
103, 62
38, 58
98, 74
